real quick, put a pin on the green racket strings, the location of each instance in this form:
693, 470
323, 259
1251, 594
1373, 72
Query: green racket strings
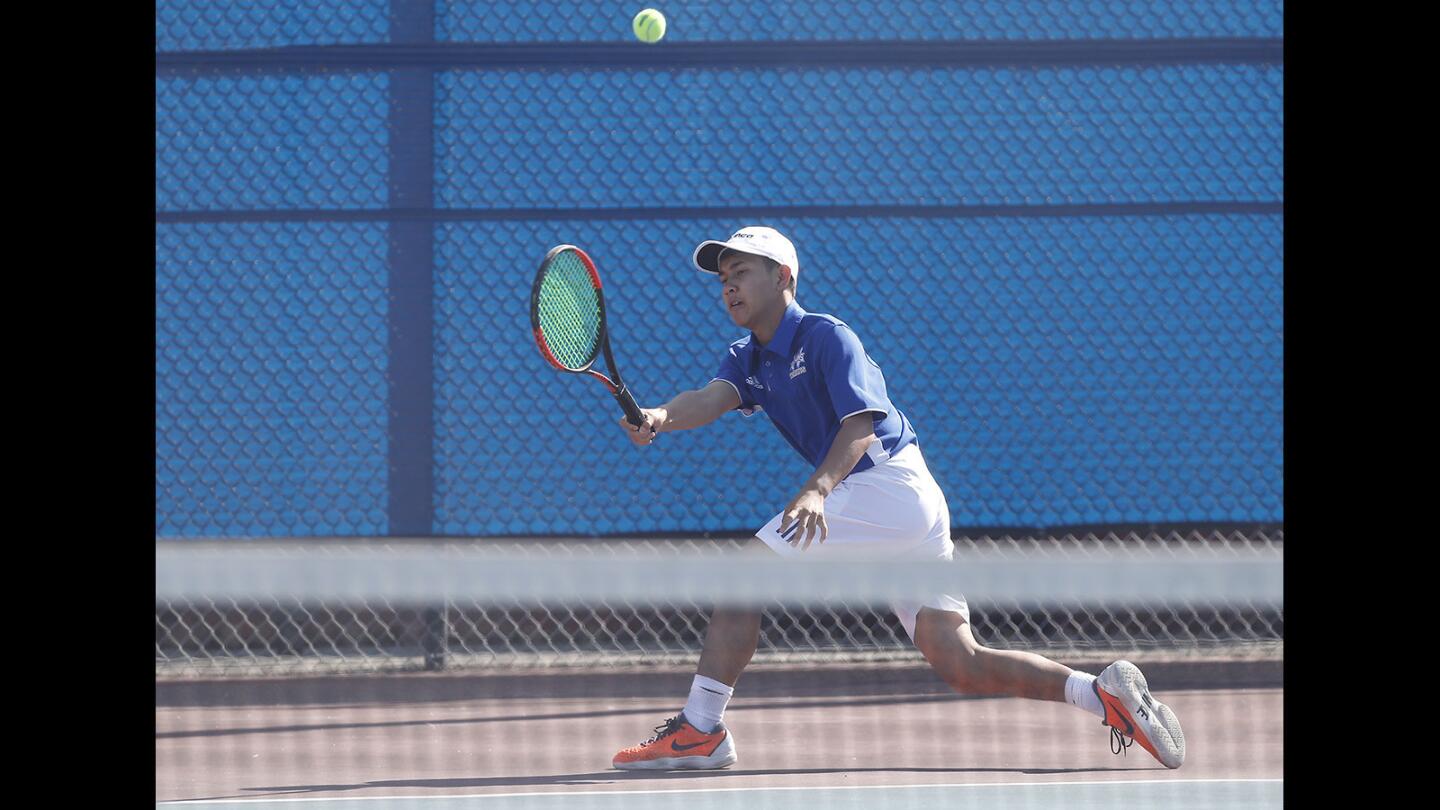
569, 311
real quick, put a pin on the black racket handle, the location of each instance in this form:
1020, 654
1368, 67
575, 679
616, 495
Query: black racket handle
627, 404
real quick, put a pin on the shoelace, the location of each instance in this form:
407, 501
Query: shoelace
665, 729
1119, 743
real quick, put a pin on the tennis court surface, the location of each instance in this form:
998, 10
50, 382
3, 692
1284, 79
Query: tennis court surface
533, 691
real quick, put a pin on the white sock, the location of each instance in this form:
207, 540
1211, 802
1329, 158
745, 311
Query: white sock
1078, 692
707, 703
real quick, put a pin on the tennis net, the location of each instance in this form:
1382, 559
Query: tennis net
510, 673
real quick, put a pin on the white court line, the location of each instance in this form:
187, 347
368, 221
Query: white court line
594, 793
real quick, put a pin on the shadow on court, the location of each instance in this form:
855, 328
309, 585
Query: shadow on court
656, 710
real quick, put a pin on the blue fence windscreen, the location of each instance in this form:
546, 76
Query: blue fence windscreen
1072, 274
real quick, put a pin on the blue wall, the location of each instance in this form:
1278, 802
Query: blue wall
620, 138
1104, 348
819, 20
219, 25
270, 379
198, 25
270, 142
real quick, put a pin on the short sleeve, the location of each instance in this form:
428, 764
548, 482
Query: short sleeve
853, 380
732, 371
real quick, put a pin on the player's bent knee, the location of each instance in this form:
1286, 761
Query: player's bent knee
945, 639
943, 628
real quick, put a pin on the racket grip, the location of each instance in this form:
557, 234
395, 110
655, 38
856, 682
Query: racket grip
627, 404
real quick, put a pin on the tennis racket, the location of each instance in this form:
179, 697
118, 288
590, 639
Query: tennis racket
567, 313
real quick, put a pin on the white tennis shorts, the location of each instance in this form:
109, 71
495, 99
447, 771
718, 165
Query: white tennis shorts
893, 510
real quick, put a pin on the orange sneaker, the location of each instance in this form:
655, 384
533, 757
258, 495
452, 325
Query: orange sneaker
1130, 711
676, 745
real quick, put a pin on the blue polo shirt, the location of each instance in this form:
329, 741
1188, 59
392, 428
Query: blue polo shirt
811, 376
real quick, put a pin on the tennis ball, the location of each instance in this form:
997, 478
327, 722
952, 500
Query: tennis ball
649, 26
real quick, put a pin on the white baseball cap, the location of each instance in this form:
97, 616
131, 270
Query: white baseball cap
754, 239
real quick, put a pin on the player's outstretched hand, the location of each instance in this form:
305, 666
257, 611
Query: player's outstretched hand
645, 434
808, 510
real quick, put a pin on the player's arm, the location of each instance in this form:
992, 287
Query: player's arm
808, 508
688, 410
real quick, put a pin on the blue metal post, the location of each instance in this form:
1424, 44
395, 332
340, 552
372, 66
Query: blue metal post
412, 316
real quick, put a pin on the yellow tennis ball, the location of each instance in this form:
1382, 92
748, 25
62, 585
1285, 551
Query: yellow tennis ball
649, 26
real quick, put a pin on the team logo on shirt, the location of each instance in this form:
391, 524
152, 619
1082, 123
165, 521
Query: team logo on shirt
797, 366
755, 383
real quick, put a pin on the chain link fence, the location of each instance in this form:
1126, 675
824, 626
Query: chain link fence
229, 639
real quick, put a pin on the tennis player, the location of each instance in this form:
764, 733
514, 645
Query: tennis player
871, 494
